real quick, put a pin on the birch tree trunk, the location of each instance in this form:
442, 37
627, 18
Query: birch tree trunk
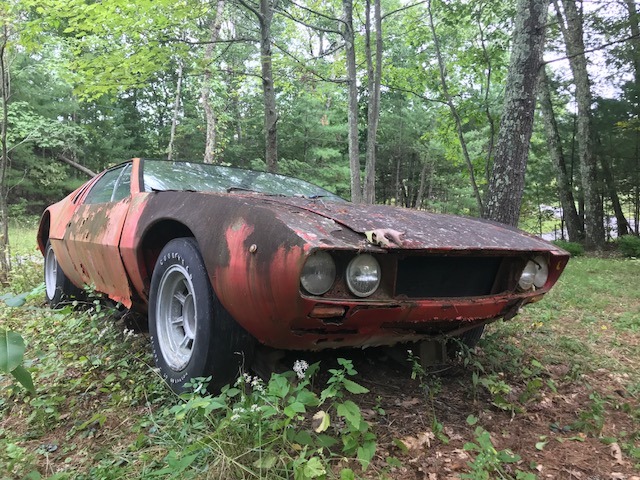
575, 227
352, 116
516, 125
374, 74
176, 110
209, 113
5, 263
572, 32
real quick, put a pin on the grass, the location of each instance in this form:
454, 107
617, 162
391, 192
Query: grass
101, 411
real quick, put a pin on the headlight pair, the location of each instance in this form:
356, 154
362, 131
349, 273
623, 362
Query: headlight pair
363, 274
535, 273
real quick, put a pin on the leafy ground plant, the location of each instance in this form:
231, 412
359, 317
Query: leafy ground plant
558, 387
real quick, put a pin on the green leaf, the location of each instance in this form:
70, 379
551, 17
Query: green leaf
351, 413
354, 387
314, 468
11, 351
23, 376
15, 300
472, 420
366, 453
347, 474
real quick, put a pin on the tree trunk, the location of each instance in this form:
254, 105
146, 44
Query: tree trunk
423, 178
621, 221
209, 113
176, 110
270, 114
573, 37
5, 261
350, 52
454, 111
516, 125
575, 227
374, 74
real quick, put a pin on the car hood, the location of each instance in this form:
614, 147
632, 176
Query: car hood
419, 229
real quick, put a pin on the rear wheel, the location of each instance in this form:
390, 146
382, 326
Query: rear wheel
58, 288
192, 335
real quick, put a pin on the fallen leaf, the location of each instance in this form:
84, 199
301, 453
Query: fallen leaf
416, 443
385, 237
616, 453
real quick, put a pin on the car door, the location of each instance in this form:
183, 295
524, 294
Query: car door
94, 231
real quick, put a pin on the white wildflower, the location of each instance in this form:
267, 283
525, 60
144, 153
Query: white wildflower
300, 366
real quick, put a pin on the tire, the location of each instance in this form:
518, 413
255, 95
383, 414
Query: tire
192, 335
58, 288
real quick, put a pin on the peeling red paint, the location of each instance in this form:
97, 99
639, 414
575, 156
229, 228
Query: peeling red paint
254, 248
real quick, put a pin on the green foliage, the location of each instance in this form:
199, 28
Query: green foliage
12, 356
489, 462
629, 245
574, 248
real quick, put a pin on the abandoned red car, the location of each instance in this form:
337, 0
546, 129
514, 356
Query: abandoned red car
224, 259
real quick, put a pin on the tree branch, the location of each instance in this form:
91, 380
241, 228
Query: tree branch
401, 9
591, 50
301, 22
208, 42
306, 67
76, 165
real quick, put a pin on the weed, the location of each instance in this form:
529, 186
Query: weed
490, 463
591, 421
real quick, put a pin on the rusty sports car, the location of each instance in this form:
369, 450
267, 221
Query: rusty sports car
224, 259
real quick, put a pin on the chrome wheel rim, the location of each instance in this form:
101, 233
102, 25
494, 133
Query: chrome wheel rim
176, 317
50, 272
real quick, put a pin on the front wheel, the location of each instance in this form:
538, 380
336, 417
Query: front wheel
58, 288
192, 335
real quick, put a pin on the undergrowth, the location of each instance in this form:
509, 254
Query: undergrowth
101, 411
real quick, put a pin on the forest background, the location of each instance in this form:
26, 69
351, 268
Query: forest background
387, 101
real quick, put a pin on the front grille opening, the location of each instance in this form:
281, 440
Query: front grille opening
452, 276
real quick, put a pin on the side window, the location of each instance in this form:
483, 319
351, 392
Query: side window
123, 188
111, 183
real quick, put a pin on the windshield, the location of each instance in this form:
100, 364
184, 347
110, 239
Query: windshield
162, 175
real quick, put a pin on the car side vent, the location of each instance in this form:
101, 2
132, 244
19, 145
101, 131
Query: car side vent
452, 276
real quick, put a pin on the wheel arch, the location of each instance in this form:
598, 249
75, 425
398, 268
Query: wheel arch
153, 240
43, 231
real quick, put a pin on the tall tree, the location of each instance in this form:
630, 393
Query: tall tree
575, 227
448, 98
374, 74
5, 91
572, 29
264, 13
352, 112
516, 125
205, 92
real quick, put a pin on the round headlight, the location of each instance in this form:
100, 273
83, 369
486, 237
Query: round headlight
542, 272
318, 273
535, 273
528, 274
363, 275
